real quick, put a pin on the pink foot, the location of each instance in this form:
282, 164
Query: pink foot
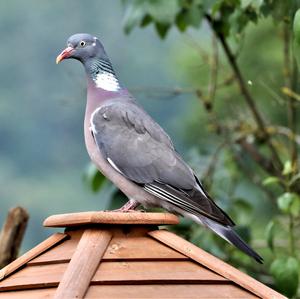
129, 207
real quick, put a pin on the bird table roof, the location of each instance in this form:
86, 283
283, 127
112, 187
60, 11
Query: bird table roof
122, 255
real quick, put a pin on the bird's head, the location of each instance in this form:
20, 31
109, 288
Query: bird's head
81, 46
89, 51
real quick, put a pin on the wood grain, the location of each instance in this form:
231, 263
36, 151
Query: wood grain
142, 292
215, 264
125, 272
133, 272
120, 248
34, 252
83, 264
168, 291
29, 294
34, 277
76, 219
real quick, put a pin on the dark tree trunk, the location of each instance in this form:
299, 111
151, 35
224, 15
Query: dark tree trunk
12, 234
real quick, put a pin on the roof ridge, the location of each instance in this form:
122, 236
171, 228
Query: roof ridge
215, 264
31, 254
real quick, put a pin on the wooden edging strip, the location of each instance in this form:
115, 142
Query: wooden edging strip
215, 264
76, 219
83, 264
31, 254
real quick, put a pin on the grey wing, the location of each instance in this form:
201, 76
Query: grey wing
137, 147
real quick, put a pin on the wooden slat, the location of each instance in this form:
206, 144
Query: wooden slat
29, 294
83, 264
168, 291
215, 264
34, 252
76, 219
131, 248
34, 277
139, 248
142, 291
150, 272
125, 272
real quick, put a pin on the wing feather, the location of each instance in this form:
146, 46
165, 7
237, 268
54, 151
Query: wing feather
138, 148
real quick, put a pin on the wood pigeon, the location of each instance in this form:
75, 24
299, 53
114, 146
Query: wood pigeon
135, 153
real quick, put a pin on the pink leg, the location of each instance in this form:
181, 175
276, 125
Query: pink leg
129, 206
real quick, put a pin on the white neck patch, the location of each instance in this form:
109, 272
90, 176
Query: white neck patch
107, 81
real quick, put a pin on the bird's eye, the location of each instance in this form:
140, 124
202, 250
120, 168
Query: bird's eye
82, 43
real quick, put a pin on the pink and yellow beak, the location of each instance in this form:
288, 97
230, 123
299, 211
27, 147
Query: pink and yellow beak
64, 54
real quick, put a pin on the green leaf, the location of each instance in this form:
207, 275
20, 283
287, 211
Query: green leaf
134, 15
285, 271
162, 11
162, 29
143, 12
242, 205
118, 199
287, 168
146, 21
295, 206
254, 4
270, 180
93, 178
289, 203
189, 17
296, 27
270, 232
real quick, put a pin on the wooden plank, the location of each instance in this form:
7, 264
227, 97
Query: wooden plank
76, 219
29, 294
125, 272
34, 252
139, 248
168, 291
34, 277
83, 264
153, 272
141, 291
215, 264
127, 248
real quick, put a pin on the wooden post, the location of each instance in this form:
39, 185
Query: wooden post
83, 264
12, 234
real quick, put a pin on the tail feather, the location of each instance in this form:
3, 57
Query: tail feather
227, 233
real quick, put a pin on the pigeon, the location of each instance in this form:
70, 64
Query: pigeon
135, 153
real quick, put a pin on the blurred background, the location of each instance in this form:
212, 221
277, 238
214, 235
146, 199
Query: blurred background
42, 151
220, 77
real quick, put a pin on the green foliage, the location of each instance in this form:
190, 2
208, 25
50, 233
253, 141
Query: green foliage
270, 234
230, 16
285, 271
270, 180
93, 178
143, 12
296, 27
289, 203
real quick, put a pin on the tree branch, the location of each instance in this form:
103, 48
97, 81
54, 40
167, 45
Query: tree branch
12, 234
212, 86
247, 96
261, 160
291, 84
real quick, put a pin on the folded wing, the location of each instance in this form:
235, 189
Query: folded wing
137, 147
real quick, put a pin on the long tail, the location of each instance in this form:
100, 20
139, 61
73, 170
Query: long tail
227, 233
